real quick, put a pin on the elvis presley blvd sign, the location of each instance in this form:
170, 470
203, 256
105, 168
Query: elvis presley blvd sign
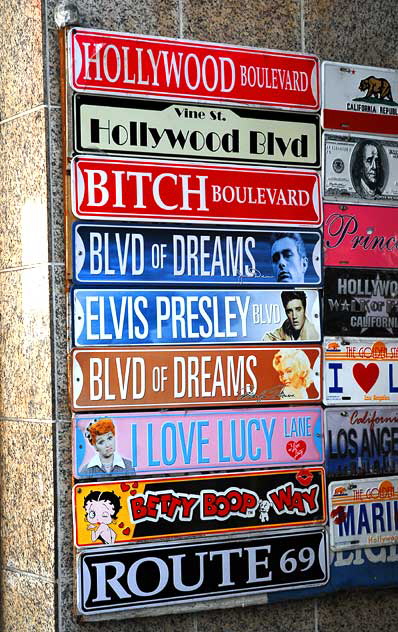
136, 577
147, 317
114, 125
131, 254
137, 65
195, 441
127, 189
174, 377
167, 507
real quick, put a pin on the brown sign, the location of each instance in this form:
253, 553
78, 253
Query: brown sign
154, 377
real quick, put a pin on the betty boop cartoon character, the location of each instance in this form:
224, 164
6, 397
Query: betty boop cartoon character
101, 509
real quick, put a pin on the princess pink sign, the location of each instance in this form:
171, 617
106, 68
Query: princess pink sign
135, 65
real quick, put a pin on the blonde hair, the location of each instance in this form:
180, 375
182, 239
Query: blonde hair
299, 359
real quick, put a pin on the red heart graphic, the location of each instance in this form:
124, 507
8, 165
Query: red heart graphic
365, 376
126, 531
135, 484
124, 487
121, 525
304, 477
296, 449
133, 492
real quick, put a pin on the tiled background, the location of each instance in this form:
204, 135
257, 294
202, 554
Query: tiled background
36, 525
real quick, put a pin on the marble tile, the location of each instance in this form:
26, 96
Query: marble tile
56, 195
265, 24
27, 497
21, 68
27, 603
58, 298
149, 17
23, 191
267, 618
366, 611
358, 33
25, 344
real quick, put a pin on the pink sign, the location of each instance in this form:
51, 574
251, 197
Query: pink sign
365, 236
195, 441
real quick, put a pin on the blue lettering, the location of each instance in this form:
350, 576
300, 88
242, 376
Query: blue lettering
151, 460
169, 442
363, 521
393, 389
335, 366
186, 450
134, 445
250, 424
268, 435
348, 525
220, 440
377, 516
235, 455
202, 442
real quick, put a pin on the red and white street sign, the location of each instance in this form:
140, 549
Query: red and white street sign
127, 189
126, 64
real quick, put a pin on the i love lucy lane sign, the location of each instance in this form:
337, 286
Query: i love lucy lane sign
135, 65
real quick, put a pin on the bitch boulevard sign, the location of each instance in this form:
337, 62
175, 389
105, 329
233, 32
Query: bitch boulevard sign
135, 65
126, 189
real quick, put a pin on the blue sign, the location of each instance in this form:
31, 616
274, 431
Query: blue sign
134, 254
124, 317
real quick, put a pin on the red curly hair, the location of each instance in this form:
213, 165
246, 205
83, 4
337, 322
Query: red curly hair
100, 427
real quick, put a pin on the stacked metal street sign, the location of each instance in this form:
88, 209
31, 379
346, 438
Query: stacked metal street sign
195, 264
361, 303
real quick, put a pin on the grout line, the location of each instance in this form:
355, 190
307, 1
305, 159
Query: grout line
316, 616
302, 20
32, 266
180, 19
37, 108
14, 569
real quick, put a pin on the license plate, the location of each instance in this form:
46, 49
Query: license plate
114, 125
153, 377
363, 513
195, 441
138, 65
359, 98
126, 189
361, 302
360, 169
360, 236
121, 254
110, 580
152, 317
360, 371
187, 506
361, 441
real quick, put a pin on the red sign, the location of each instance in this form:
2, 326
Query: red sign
129, 189
157, 377
120, 63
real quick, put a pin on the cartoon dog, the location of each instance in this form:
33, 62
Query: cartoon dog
377, 88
